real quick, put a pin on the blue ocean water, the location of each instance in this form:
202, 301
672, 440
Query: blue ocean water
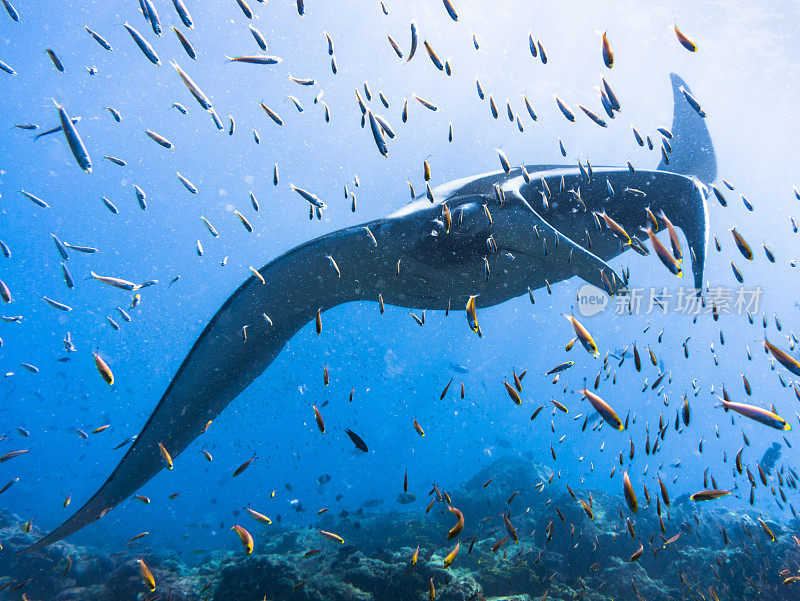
744, 74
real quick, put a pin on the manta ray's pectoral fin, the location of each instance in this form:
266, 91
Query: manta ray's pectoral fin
692, 150
238, 343
572, 258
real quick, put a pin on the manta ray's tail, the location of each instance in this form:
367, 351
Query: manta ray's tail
692, 151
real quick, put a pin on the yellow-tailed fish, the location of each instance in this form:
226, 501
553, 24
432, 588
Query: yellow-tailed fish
452, 555
245, 537
768, 418
259, 517
709, 495
165, 455
630, 496
331, 536
583, 335
104, 369
472, 316
604, 409
147, 575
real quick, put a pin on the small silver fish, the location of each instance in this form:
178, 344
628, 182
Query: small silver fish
143, 44
74, 140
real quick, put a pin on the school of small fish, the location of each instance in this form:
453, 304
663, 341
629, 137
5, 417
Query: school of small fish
743, 477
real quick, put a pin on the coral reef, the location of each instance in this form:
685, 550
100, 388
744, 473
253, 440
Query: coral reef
562, 553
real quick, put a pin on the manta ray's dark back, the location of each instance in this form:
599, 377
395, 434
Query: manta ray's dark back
692, 151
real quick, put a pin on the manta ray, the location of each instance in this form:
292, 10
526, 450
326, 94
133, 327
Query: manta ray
492, 236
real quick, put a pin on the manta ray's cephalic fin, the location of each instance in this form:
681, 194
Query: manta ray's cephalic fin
583, 263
